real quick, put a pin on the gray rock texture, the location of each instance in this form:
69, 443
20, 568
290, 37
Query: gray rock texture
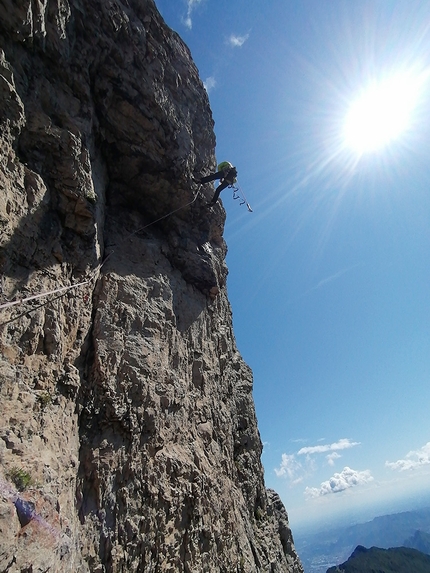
128, 436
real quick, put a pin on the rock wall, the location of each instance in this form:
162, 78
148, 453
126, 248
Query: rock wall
128, 437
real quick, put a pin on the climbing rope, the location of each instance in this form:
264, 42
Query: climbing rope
36, 296
167, 215
65, 289
39, 306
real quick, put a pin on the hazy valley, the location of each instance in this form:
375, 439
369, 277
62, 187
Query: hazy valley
333, 545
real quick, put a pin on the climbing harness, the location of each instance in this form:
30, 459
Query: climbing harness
239, 194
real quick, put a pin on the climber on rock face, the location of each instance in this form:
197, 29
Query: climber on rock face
227, 175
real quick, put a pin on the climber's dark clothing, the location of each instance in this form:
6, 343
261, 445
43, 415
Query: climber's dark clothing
218, 190
227, 176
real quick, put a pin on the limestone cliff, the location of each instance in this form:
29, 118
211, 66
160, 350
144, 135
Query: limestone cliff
128, 436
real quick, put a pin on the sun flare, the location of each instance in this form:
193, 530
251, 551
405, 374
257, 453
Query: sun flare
382, 113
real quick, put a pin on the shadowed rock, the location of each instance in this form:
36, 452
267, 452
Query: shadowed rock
126, 399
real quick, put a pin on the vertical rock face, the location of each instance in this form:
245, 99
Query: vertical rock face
128, 437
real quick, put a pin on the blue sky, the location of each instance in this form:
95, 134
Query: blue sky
329, 276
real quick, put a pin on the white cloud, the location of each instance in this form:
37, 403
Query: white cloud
290, 468
330, 278
209, 83
191, 4
342, 444
237, 41
296, 471
413, 459
340, 482
335, 276
332, 457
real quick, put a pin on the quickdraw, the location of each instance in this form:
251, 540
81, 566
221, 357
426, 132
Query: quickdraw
239, 194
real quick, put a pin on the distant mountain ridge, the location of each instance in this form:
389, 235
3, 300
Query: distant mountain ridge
387, 530
420, 540
377, 560
409, 529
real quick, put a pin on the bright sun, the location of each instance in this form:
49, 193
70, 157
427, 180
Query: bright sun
382, 113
